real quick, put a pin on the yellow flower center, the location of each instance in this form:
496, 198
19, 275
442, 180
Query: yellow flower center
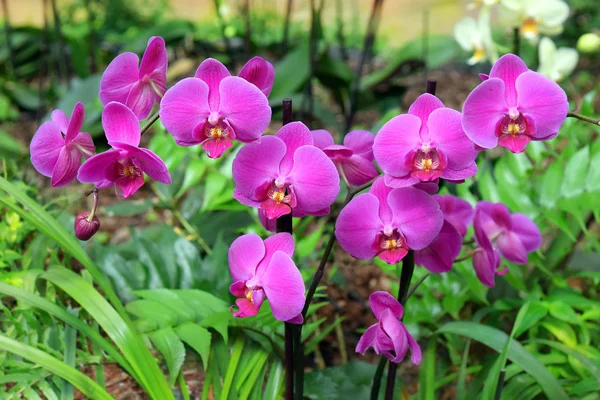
479, 54
513, 128
426, 164
130, 171
216, 132
278, 196
249, 295
390, 244
529, 27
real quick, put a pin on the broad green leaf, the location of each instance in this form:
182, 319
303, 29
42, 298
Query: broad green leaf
563, 312
573, 352
214, 186
593, 176
9, 146
194, 171
551, 185
535, 312
170, 346
576, 171
151, 314
129, 342
198, 338
427, 373
496, 340
84, 384
291, 72
170, 299
70, 343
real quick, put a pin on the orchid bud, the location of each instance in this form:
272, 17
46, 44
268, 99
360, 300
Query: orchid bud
589, 43
84, 227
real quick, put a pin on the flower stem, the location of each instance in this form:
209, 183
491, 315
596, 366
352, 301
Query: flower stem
408, 267
153, 118
95, 205
377, 378
416, 285
582, 117
516, 41
284, 224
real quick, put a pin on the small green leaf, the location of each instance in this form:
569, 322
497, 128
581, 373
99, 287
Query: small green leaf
551, 185
172, 350
197, 338
576, 171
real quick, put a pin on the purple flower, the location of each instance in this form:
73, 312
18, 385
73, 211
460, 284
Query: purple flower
514, 234
214, 108
265, 269
58, 145
457, 212
514, 106
426, 144
388, 336
260, 73
125, 164
354, 158
440, 254
135, 87
285, 173
486, 259
388, 222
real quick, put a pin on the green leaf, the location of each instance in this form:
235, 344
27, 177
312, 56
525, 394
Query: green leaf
576, 170
170, 299
534, 314
496, 340
551, 185
84, 384
215, 184
236, 353
151, 314
69, 356
291, 72
562, 331
172, 350
593, 177
563, 312
23, 95
427, 373
197, 338
129, 342
9, 146
194, 171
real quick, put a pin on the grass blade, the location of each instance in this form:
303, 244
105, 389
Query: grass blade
84, 384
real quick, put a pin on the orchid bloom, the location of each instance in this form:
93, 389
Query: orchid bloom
285, 174
513, 107
556, 64
265, 269
426, 144
440, 254
124, 165
137, 88
486, 260
481, 3
354, 159
514, 234
535, 17
213, 108
388, 336
476, 37
387, 223
58, 145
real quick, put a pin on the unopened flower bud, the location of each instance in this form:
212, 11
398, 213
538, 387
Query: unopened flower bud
84, 228
589, 43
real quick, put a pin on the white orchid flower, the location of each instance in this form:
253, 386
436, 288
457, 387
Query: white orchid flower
481, 3
535, 17
476, 36
555, 63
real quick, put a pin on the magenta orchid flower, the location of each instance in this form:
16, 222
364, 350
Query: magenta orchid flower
486, 260
265, 269
213, 108
515, 235
514, 106
137, 87
426, 144
389, 335
387, 222
440, 254
354, 158
285, 173
260, 73
124, 165
58, 145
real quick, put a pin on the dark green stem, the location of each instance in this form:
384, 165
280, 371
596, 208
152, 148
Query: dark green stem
377, 378
582, 117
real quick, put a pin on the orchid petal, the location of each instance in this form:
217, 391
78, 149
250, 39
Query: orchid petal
65, 170
322, 138
283, 286
260, 73
244, 255
212, 72
93, 170
294, 135
394, 141
381, 301
447, 134
45, 147
154, 58
118, 78
358, 225
483, 111
508, 68
75, 123
361, 143
120, 124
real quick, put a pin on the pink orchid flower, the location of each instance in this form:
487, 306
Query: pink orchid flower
457, 212
124, 165
388, 222
285, 173
214, 108
137, 88
440, 254
354, 158
265, 269
388, 336
260, 73
513, 107
426, 144
514, 234
58, 145
486, 260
